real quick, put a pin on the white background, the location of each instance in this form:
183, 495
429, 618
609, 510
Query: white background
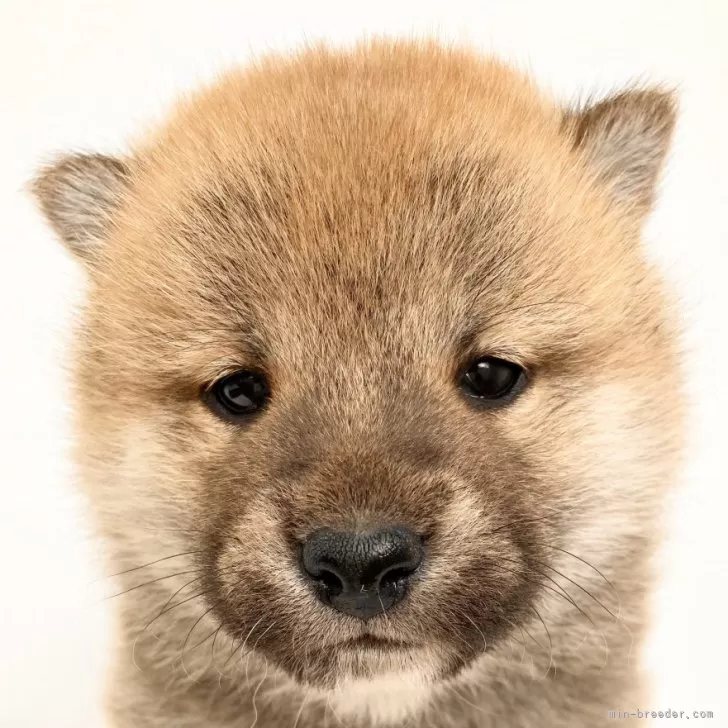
87, 74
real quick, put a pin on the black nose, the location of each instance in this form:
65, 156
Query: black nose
362, 574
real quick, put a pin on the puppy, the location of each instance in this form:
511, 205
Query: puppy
376, 395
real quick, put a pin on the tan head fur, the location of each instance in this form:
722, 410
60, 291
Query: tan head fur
357, 227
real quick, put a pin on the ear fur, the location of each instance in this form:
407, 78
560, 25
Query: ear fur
625, 138
78, 194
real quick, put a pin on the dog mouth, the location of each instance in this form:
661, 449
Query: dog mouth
372, 642
364, 656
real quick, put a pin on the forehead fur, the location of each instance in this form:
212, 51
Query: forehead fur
365, 188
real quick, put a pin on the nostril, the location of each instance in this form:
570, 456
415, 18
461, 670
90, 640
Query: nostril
397, 574
331, 582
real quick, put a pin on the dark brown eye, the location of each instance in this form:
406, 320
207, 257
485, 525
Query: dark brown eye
495, 381
239, 394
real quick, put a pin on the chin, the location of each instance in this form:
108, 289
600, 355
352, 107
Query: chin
386, 685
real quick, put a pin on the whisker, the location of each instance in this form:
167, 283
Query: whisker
242, 646
178, 604
212, 649
151, 563
579, 586
300, 710
186, 671
560, 590
233, 650
133, 649
152, 581
467, 702
525, 629
224, 570
381, 604
335, 714
255, 695
521, 642
255, 646
182, 588
548, 634
163, 612
192, 629
485, 644
594, 568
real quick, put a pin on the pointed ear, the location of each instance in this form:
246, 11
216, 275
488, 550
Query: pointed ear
78, 195
625, 138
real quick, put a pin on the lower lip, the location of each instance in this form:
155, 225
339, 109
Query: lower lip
374, 643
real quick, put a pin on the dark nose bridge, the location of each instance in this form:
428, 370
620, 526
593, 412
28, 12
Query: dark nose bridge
362, 478
362, 488
354, 457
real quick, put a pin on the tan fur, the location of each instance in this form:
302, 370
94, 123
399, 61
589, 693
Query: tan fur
358, 225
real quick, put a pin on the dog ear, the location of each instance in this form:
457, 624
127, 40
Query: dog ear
79, 194
625, 139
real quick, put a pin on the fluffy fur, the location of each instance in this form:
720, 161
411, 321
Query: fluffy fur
359, 225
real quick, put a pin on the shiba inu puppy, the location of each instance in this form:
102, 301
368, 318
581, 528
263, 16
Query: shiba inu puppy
377, 395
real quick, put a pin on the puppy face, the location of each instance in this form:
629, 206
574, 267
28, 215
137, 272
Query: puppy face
370, 338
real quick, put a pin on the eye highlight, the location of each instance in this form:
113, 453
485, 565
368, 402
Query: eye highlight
238, 395
493, 381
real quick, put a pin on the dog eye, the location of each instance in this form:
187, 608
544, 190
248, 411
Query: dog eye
238, 394
493, 380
